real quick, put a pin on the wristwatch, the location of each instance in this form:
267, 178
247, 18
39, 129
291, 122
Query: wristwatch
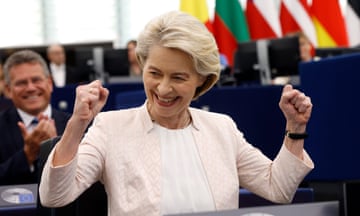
296, 136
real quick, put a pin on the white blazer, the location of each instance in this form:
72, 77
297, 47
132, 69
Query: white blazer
122, 150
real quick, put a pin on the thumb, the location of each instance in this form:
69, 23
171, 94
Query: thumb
287, 88
22, 129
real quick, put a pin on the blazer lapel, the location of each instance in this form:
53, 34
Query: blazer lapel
12, 120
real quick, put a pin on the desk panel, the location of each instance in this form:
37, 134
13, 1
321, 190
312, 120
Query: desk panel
334, 127
309, 209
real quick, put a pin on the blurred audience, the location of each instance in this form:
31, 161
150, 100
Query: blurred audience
134, 67
61, 73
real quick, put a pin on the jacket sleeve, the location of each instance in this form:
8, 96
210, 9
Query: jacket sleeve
275, 180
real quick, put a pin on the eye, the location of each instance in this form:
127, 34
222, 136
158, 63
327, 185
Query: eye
21, 83
37, 80
154, 73
179, 77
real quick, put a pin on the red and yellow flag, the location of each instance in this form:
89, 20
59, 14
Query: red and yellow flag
197, 8
329, 23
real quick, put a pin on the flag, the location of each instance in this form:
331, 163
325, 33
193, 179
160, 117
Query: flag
198, 9
353, 22
329, 23
295, 17
263, 19
229, 27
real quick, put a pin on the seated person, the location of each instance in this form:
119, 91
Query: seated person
29, 86
61, 73
134, 67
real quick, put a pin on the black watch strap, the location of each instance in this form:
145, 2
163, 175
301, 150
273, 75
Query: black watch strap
296, 136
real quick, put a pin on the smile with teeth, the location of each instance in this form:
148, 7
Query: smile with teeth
166, 100
32, 97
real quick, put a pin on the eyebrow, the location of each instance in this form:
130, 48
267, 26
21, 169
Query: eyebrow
174, 73
153, 68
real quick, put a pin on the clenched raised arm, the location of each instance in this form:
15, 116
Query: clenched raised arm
296, 107
90, 99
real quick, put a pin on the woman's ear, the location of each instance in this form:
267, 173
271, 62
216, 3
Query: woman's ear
202, 80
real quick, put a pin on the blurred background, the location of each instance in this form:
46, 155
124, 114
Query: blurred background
41, 22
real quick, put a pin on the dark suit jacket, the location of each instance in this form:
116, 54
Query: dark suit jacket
5, 103
14, 168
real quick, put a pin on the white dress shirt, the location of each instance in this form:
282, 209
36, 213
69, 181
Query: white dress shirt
59, 74
27, 118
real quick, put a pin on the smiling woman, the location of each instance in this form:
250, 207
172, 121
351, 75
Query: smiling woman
170, 82
165, 139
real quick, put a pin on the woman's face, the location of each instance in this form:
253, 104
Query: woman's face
131, 52
170, 82
305, 49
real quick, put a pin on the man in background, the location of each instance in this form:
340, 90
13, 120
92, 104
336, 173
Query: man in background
28, 84
24, 126
61, 73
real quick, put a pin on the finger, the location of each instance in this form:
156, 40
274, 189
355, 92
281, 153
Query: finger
289, 94
305, 105
298, 99
287, 88
42, 116
104, 93
22, 129
94, 91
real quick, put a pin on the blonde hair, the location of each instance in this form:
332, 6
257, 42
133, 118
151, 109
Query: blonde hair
184, 32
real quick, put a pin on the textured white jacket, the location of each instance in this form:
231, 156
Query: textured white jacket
122, 150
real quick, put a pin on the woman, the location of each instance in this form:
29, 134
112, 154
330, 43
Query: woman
165, 157
134, 67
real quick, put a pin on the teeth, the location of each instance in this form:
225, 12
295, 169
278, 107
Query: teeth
165, 100
32, 97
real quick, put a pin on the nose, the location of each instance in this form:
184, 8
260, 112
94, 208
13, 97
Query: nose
30, 86
164, 86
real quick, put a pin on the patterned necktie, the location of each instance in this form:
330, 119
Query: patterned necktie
32, 125
35, 121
